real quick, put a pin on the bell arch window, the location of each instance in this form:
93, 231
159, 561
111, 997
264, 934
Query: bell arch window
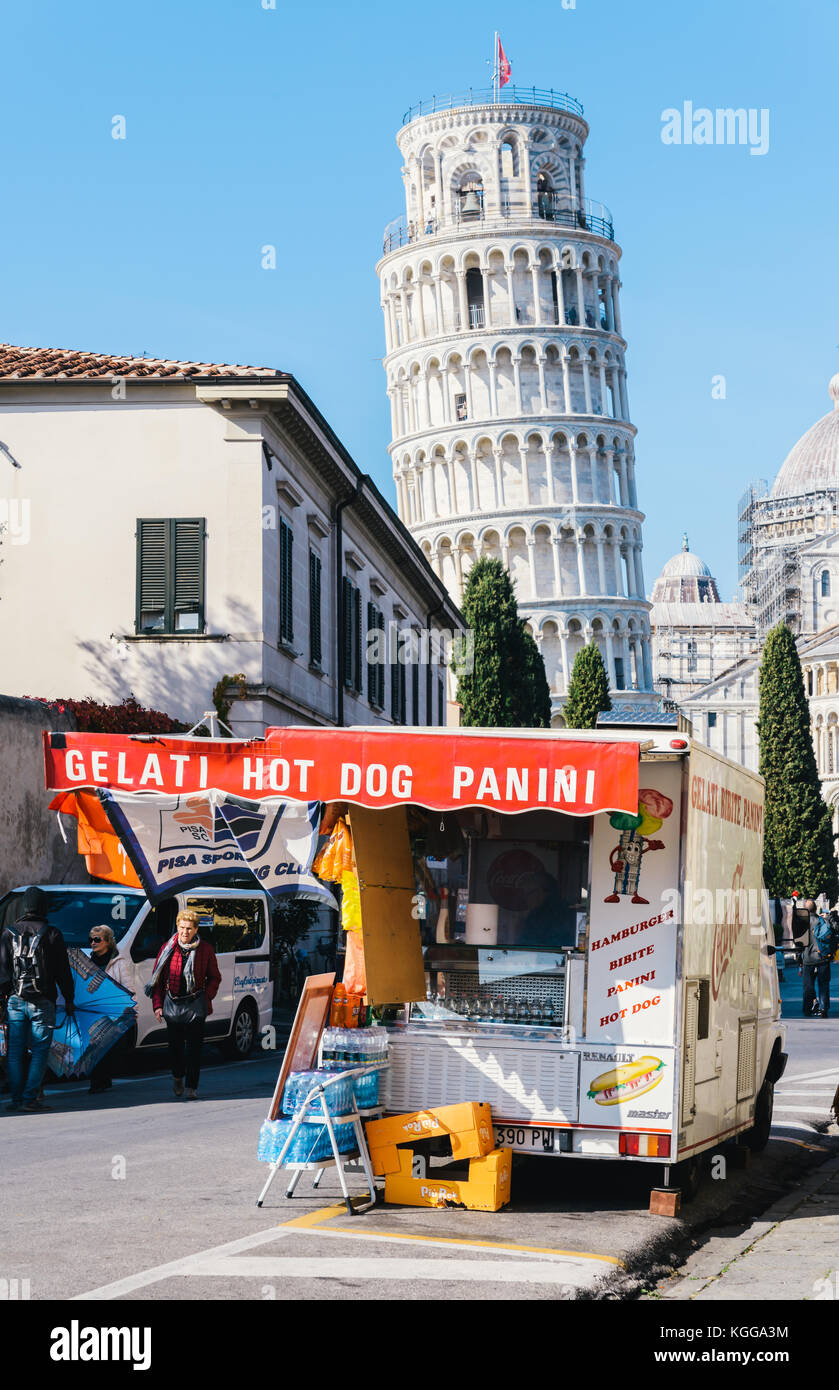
509, 159
471, 199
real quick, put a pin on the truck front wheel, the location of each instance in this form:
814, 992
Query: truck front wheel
758, 1136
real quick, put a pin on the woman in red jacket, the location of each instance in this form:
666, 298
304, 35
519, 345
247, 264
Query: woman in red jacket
183, 985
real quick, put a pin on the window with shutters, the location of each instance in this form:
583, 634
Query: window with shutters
286, 582
315, 639
415, 688
170, 575
440, 710
351, 604
398, 711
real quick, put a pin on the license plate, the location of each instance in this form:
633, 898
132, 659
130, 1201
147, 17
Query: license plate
526, 1138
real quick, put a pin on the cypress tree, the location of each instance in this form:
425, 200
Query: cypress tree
588, 689
507, 686
798, 835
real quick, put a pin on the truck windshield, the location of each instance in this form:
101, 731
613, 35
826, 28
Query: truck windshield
74, 912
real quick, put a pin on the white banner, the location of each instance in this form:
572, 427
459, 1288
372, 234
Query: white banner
179, 842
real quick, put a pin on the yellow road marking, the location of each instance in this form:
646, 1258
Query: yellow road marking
316, 1218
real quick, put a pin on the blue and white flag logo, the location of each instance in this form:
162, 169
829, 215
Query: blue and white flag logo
178, 842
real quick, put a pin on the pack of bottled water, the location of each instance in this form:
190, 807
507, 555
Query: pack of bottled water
338, 1096
346, 1048
310, 1144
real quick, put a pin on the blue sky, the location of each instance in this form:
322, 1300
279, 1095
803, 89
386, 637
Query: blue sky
247, 126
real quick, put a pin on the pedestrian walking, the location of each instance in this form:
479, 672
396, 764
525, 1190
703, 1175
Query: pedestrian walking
814, 949
33, 967
183, 985
104, 952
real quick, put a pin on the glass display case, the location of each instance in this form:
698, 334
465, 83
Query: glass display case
493, 985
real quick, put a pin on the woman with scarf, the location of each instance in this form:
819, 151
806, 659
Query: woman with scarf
105, 953
184, 982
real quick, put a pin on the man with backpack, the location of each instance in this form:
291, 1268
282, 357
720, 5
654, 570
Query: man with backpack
815, 950
33, 967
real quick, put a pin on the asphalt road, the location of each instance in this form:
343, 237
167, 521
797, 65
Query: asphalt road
137, 1195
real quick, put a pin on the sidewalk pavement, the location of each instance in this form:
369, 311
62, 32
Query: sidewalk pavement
791, 1253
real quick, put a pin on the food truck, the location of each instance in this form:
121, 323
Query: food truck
568, 925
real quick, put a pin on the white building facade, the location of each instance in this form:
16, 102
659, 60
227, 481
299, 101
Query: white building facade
696, 636
169, 523
506, 375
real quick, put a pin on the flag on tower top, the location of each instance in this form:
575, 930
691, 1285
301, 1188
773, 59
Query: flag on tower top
505, 67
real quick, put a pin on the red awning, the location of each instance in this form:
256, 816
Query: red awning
442, 769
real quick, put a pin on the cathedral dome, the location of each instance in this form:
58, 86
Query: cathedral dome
813, 463
685, 579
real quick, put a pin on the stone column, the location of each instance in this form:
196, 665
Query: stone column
537, 298
648, 663
458, 565
419, 473
485, 287
572, 169
420, 309
624, 488
639, 573
392, 398
498, 454
525, 476
517, 376
427, 399
453, 486
438, 312
403, 299
581, 298
467, 380
435, 512
543, 388
601, 568
566, 383
524, 155
547, 450
610, 661
616, 306
609, 455
604, 395
575, 481
531, 556
462, 301
560, 297
587, 386
610, 303
623, 394
511, 297
438, 185
556, 542
581, 569
493, 391
446, 394
566, 672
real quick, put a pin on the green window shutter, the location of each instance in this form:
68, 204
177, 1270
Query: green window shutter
415, 688
372, 667
440, 710
380, 666
347, 625
286, 587
403, 702
315, 644
152, 548
186, 575
358, 682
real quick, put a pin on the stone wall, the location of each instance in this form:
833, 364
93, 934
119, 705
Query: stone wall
31, 847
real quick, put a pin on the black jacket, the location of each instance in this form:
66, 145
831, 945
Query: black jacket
54, 966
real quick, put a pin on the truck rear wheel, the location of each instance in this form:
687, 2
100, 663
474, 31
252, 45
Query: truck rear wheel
758, 1136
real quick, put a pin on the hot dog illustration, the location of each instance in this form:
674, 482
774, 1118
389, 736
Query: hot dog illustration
625, 859
627, 1081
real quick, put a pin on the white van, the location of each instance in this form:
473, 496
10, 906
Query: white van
236, 922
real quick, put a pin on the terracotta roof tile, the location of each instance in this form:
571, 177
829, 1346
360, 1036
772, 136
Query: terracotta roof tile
19, 363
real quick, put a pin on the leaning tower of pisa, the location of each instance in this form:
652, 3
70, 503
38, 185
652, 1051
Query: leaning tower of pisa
506, 374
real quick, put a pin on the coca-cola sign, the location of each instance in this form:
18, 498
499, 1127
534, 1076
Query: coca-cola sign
508, 876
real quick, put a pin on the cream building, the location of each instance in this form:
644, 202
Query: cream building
695, 636
168, 523
506, 373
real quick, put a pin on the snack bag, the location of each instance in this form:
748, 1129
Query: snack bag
355, 976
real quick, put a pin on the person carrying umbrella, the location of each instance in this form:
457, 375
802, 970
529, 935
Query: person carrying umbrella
105, 953
184, 983
33, 967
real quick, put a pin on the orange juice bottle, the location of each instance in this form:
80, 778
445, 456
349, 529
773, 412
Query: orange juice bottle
338, 1012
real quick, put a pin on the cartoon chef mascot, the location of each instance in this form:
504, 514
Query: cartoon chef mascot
625, 859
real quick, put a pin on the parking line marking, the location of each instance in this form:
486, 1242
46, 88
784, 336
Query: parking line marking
355, 1268
459, 1242
153, 1276
314, 1218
